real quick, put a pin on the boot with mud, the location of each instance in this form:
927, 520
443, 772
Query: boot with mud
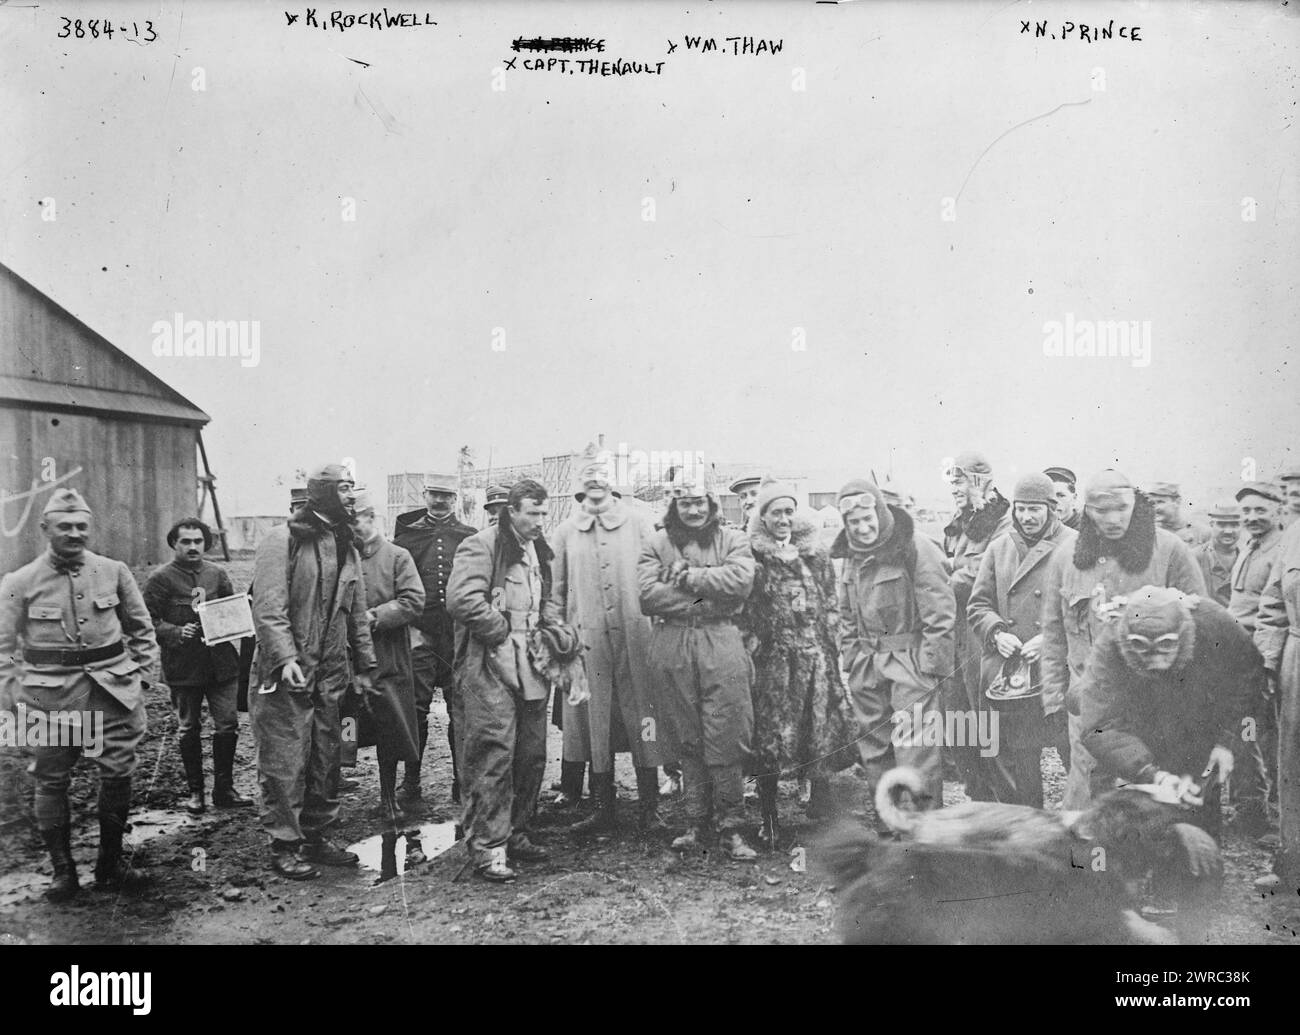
647, 792
387, 856
494, 867
734, 844
58, 841
224, 795
192, 758
520, 849
602, 821
414, 851
286, 861
690, 841
112, 871
571, 774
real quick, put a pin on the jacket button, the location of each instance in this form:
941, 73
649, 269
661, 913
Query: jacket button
1038, 592
82, 621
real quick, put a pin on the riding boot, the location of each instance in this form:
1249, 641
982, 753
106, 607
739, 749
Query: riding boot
387, 856
111, 870
58, 841
647, 793
410, 791
570, 785
602, 820
224, 795
192, 758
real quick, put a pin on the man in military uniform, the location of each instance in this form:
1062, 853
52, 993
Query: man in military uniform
192, 669
1168, 500
1217, 555
432, 536
747, 489
496, 499
87, 654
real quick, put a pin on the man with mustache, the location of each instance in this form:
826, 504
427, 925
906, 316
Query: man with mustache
432, 536
695, 575
1256, 783
309, 610
87, 647
1168, 500
193, 670
1118, 550
1218, 554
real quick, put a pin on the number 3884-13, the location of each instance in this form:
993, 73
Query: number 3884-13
95, 28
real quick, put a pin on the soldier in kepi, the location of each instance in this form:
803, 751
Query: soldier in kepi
309, 608
192, 669
87, 654
431, 536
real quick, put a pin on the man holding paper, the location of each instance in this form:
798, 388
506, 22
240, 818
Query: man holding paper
192, 668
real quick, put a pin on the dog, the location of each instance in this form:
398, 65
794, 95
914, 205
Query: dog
986, 873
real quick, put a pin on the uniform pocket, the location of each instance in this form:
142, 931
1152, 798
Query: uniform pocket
107, 602
44, 614
41, 679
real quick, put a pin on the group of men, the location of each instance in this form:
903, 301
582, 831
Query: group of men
1094, 619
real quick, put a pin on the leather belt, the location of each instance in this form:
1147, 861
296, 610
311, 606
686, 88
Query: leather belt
72, 658
695, 621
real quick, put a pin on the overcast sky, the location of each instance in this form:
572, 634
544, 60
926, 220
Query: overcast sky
776, 211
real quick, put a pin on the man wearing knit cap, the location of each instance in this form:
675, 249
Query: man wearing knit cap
595, 580
1067, 499
1216, 556
897, 612
982, 513
1005, 615
1118, 550
432, 536
309, 609
1260, 506
695, 575
76, 643
1163, 696
1168, 500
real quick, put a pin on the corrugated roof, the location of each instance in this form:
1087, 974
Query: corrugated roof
29, 393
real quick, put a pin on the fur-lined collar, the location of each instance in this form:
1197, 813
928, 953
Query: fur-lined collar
1133, 550
803, 537
306, 524
890, 550
978, 525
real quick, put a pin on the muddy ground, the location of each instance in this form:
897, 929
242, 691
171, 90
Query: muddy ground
211, 882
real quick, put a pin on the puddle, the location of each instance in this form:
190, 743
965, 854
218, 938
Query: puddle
435, 838
148, 824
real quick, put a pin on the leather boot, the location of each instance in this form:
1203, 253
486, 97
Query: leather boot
58, 841
224, 795
111, 870
192, 759
647, 793
602, 820
387, 856
409, 792
768, 788
570, 785
821, 803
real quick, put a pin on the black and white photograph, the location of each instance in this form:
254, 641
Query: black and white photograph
723, 472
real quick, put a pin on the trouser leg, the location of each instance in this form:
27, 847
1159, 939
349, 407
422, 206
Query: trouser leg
1288, 764
490, 735
529, 768
1085, 781
728, 783
189, 722
695, 791
424, 669
282, 735
320, 803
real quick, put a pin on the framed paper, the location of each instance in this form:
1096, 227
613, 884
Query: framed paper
226, 619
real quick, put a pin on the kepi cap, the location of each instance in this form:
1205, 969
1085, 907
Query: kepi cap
66, 501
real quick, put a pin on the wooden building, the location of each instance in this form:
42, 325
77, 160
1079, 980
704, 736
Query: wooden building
77, 411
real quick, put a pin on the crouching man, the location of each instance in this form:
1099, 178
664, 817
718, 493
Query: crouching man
499, 591
309, 607
1163, 695
87, 654
695, 575
899, 613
